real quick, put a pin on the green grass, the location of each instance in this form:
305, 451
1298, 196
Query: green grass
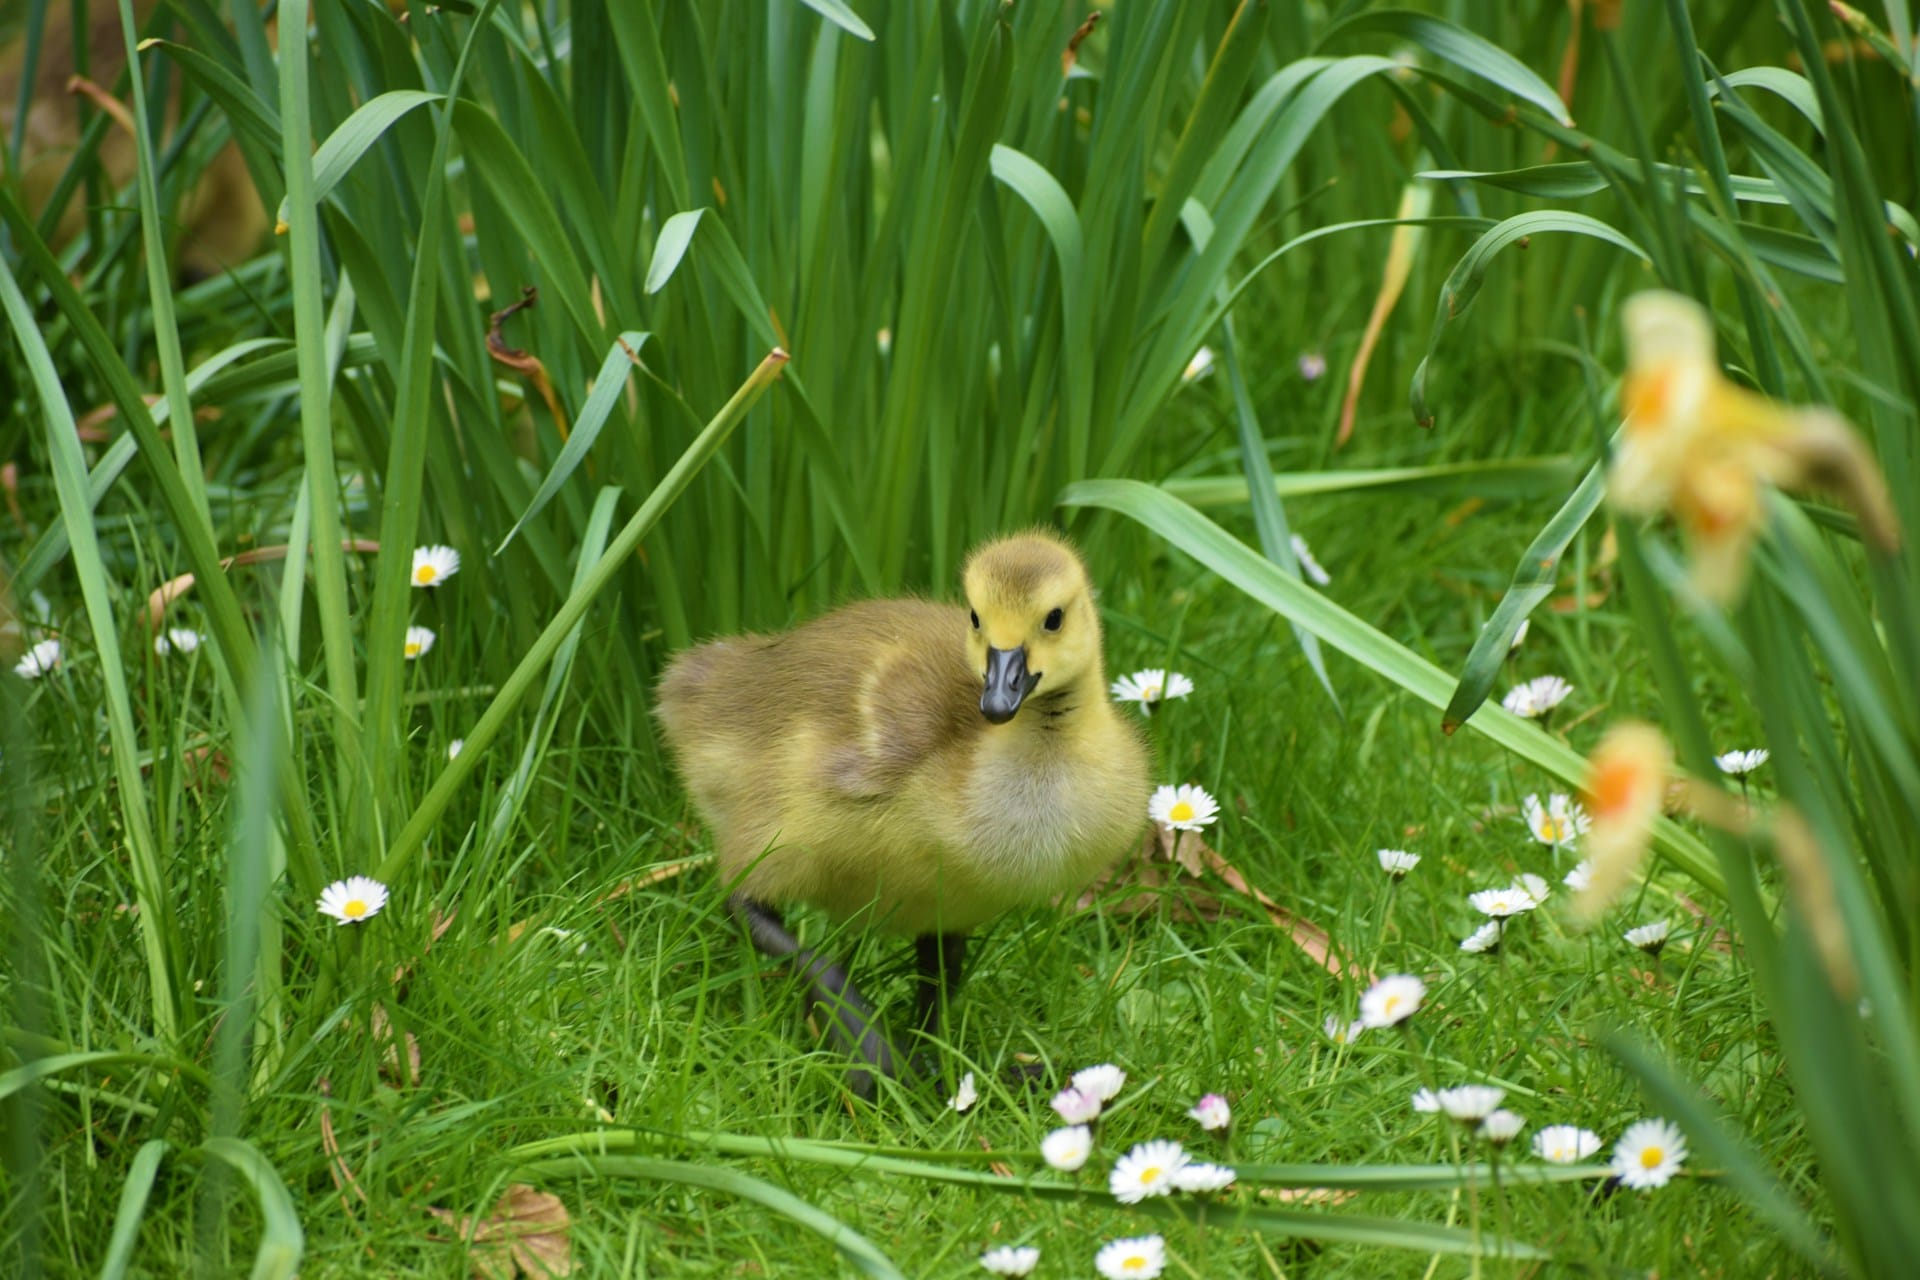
651, 1011
201, 1075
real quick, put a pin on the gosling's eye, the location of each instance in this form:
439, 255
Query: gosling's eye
1054, 620
976, 619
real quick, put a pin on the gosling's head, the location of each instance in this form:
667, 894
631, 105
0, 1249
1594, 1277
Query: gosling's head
1033, 620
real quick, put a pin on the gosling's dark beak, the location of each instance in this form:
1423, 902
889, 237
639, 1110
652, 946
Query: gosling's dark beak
1008, 683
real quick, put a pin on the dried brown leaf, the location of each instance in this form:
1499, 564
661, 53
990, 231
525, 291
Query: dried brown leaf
1306, 1195
1155, 867
529, 1233
390, 1057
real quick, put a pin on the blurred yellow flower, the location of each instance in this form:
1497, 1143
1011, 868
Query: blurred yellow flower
1702, 449
1625, 784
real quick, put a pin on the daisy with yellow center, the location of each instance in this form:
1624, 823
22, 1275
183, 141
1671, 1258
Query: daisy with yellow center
434, 565
1703, 450
1391, 1000
1151, 687
1626, 781
1184, 808
1340, 1031
1557, 822
1565, 1144
1199, 367
1147, 1170
353, 900
1141, 1258
1067, 1149
1648, 1154
419, 640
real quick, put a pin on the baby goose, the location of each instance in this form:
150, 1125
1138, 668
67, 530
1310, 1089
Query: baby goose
912, 766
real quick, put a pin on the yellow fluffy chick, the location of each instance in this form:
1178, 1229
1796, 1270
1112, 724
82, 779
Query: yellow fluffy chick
915, 766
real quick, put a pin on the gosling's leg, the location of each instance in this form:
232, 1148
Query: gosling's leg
851, 1020
938, 958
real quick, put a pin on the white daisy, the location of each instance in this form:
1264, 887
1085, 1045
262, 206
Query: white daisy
1184, 808
1649, 937
1141, 1258
419, 640
1199, 367
1485, 938
1076, 1107
1738, 764
455, 747
1145, 1171
1535, 698
1103, 1082
1392, 999
1500, 903
1565, 1144
1150, 687
39, 660
1340, 1031
1580, 877
1519, 634
1312, 366
1426, 1101
1501, 1127
1560, 821
1535, 887
352, 900
1470, 1103
1067, 1149
1397, 862
434, 565
177, 640
1648, 1154
966, 1096
1011, 1260
1315, 572
1212, 1112
1203, 1177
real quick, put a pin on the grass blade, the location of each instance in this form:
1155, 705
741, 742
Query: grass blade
1533, 581
407, 842
159, 930
859, 1251
282, 1242
133, 1207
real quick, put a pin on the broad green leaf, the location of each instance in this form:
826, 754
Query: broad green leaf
1471, 53
837, 12
133, 1207
1487, 478
1463, 284
282, 1241
1533, 582
607, 386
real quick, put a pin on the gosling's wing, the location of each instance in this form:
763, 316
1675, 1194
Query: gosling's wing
915, 700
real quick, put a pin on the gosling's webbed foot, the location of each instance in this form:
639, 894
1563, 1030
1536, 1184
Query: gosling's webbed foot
1031, 1076
851, 1022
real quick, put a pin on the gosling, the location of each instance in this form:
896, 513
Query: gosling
911, 767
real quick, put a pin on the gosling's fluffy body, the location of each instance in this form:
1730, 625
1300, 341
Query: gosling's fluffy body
847, 763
